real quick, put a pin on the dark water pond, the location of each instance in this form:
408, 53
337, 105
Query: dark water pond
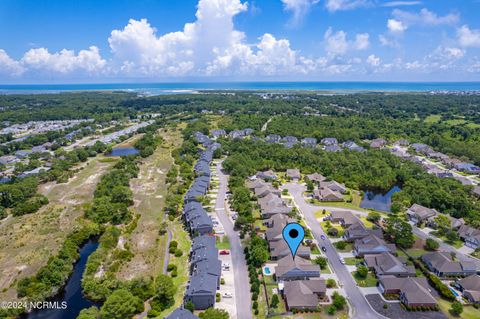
378, 201
72, 293
123, 151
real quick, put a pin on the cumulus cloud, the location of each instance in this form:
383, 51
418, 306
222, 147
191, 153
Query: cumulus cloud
8, 66
65, 61
336, 43
299, 9
396, 26
468, 37
373, 60
340, 5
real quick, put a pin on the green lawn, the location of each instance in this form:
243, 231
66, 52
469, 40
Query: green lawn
337, 226
352, 261
415, 253
315, 250
319, 214
366, 222
223, 243
348, 248
469, 312
369, 281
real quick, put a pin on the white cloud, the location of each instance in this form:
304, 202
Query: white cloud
385, 41
339, 5
396, 26
468, 37
65, 61
373, 60
337, 43
362, 41
299, 8
425, 17
8, 66
400, 3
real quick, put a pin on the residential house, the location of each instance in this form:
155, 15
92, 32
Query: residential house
278, 220
218, 133
327, 195
343, 217
352, 146
419, 147
378, 143
294, 174
22, 153
334, 186
266, 190
413, 291
357, 231
470, 235
451, 162
315, 178
266, 175
289, 139
470, 287
329, 141
468, 167
273, 138
270, 199
304, 294
309, 142
8, 159
372, 244
442, 265
280, 249
256, 183
181, 313
455, 223
402, 142
299, 268
270, 210
386, 264
332, 148
418, 213
201, 291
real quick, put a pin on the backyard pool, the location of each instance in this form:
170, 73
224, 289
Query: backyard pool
266, 271
454, 292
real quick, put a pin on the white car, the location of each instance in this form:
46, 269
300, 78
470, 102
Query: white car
342, 261
219, 231
227, 295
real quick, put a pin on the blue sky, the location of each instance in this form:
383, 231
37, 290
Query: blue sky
56, 41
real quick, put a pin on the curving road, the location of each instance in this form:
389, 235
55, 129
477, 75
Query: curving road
361, 308
239, 264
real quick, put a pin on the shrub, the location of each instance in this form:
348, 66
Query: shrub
173, 243
321, 261
456, 308
275, 301
255, 305
362, 271
341, 245
222, 281
174, 273
217, 297
331, 283
331, 310
431, 244
332, 232
178, 253
171, 267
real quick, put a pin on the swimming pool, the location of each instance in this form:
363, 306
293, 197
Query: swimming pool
454, 292
267, 271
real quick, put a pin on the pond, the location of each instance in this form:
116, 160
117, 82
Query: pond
122, 151
72, 292
378, 201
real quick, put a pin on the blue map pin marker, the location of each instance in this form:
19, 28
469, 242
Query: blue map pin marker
293, 235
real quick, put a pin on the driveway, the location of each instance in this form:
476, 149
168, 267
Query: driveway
239, 265
361, 307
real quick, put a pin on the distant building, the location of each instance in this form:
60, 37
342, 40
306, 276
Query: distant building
470, 235
418, 213
309, 142
372, 244
468, 167
315, 177
181, 313
387, 264
378, 143
329, 141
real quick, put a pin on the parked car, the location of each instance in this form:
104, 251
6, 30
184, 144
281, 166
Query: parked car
322, 237
227, 295
224, 252
342, 261
324, 249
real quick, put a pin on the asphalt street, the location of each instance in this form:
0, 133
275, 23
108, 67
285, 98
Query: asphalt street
239, 265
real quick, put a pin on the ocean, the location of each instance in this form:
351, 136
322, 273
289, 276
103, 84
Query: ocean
192, 87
